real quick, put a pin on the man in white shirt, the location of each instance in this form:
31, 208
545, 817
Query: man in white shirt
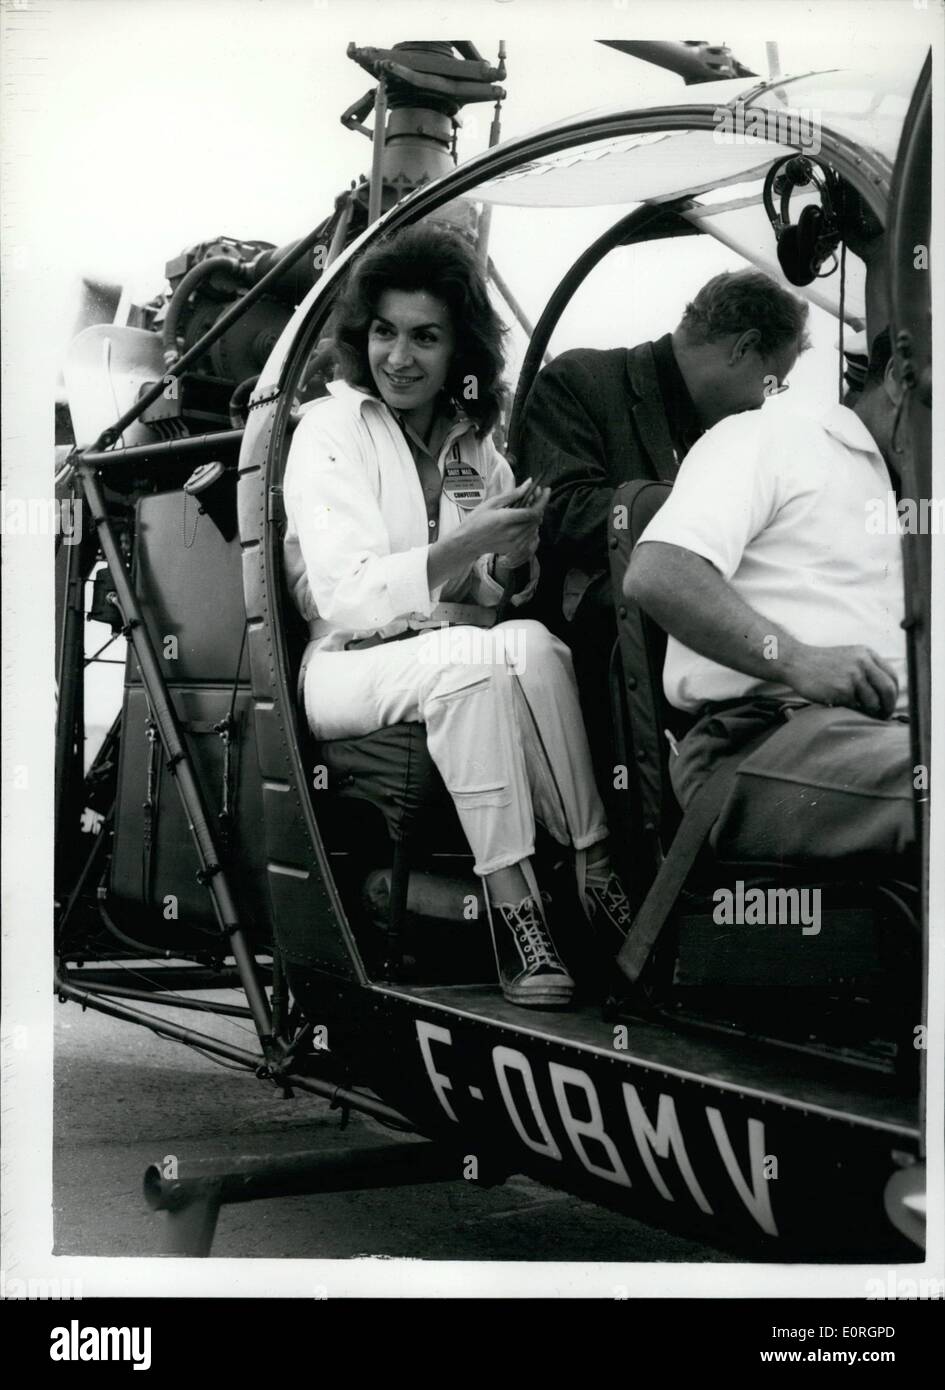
784, 609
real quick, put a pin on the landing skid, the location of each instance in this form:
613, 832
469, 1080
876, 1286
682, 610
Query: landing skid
192, 1199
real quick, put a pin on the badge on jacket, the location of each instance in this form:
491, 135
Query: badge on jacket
462, 483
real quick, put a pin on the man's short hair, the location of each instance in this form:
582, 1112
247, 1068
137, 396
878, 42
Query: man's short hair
880, 354
736, 301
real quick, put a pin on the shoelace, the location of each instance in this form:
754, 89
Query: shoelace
613, 900
530, 929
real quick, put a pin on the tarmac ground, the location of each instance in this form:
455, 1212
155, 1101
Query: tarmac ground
126, 1098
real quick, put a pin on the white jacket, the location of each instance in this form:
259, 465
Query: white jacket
356, 541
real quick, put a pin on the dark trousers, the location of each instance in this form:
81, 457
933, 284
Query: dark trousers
825, 784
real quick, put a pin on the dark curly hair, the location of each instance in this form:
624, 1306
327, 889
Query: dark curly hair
738, 300
439, 261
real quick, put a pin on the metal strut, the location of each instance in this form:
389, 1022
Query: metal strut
205, 1042
211, 872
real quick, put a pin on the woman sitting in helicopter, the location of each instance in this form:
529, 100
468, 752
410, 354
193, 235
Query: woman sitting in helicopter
405, 535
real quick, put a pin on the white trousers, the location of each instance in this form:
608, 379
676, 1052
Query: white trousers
503, 723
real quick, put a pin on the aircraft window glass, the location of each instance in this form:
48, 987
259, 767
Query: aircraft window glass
868, 109
636, 293
656, 164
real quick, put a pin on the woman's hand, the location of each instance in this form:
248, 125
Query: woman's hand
495, 527
505, 564
498, 527
511, 559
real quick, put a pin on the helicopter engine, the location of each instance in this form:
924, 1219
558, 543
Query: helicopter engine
205, 280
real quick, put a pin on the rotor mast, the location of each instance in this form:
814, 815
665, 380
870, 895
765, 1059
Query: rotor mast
421, 89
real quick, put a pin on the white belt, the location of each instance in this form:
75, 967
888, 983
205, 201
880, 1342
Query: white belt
467, 614
444, 614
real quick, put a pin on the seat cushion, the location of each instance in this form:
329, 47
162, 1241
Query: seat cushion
392, 769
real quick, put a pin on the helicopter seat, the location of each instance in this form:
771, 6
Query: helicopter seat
380, 800
869, 934
392, 769
391, 772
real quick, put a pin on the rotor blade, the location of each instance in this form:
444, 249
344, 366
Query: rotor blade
693, 60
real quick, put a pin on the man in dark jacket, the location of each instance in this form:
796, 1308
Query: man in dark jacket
596, 419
